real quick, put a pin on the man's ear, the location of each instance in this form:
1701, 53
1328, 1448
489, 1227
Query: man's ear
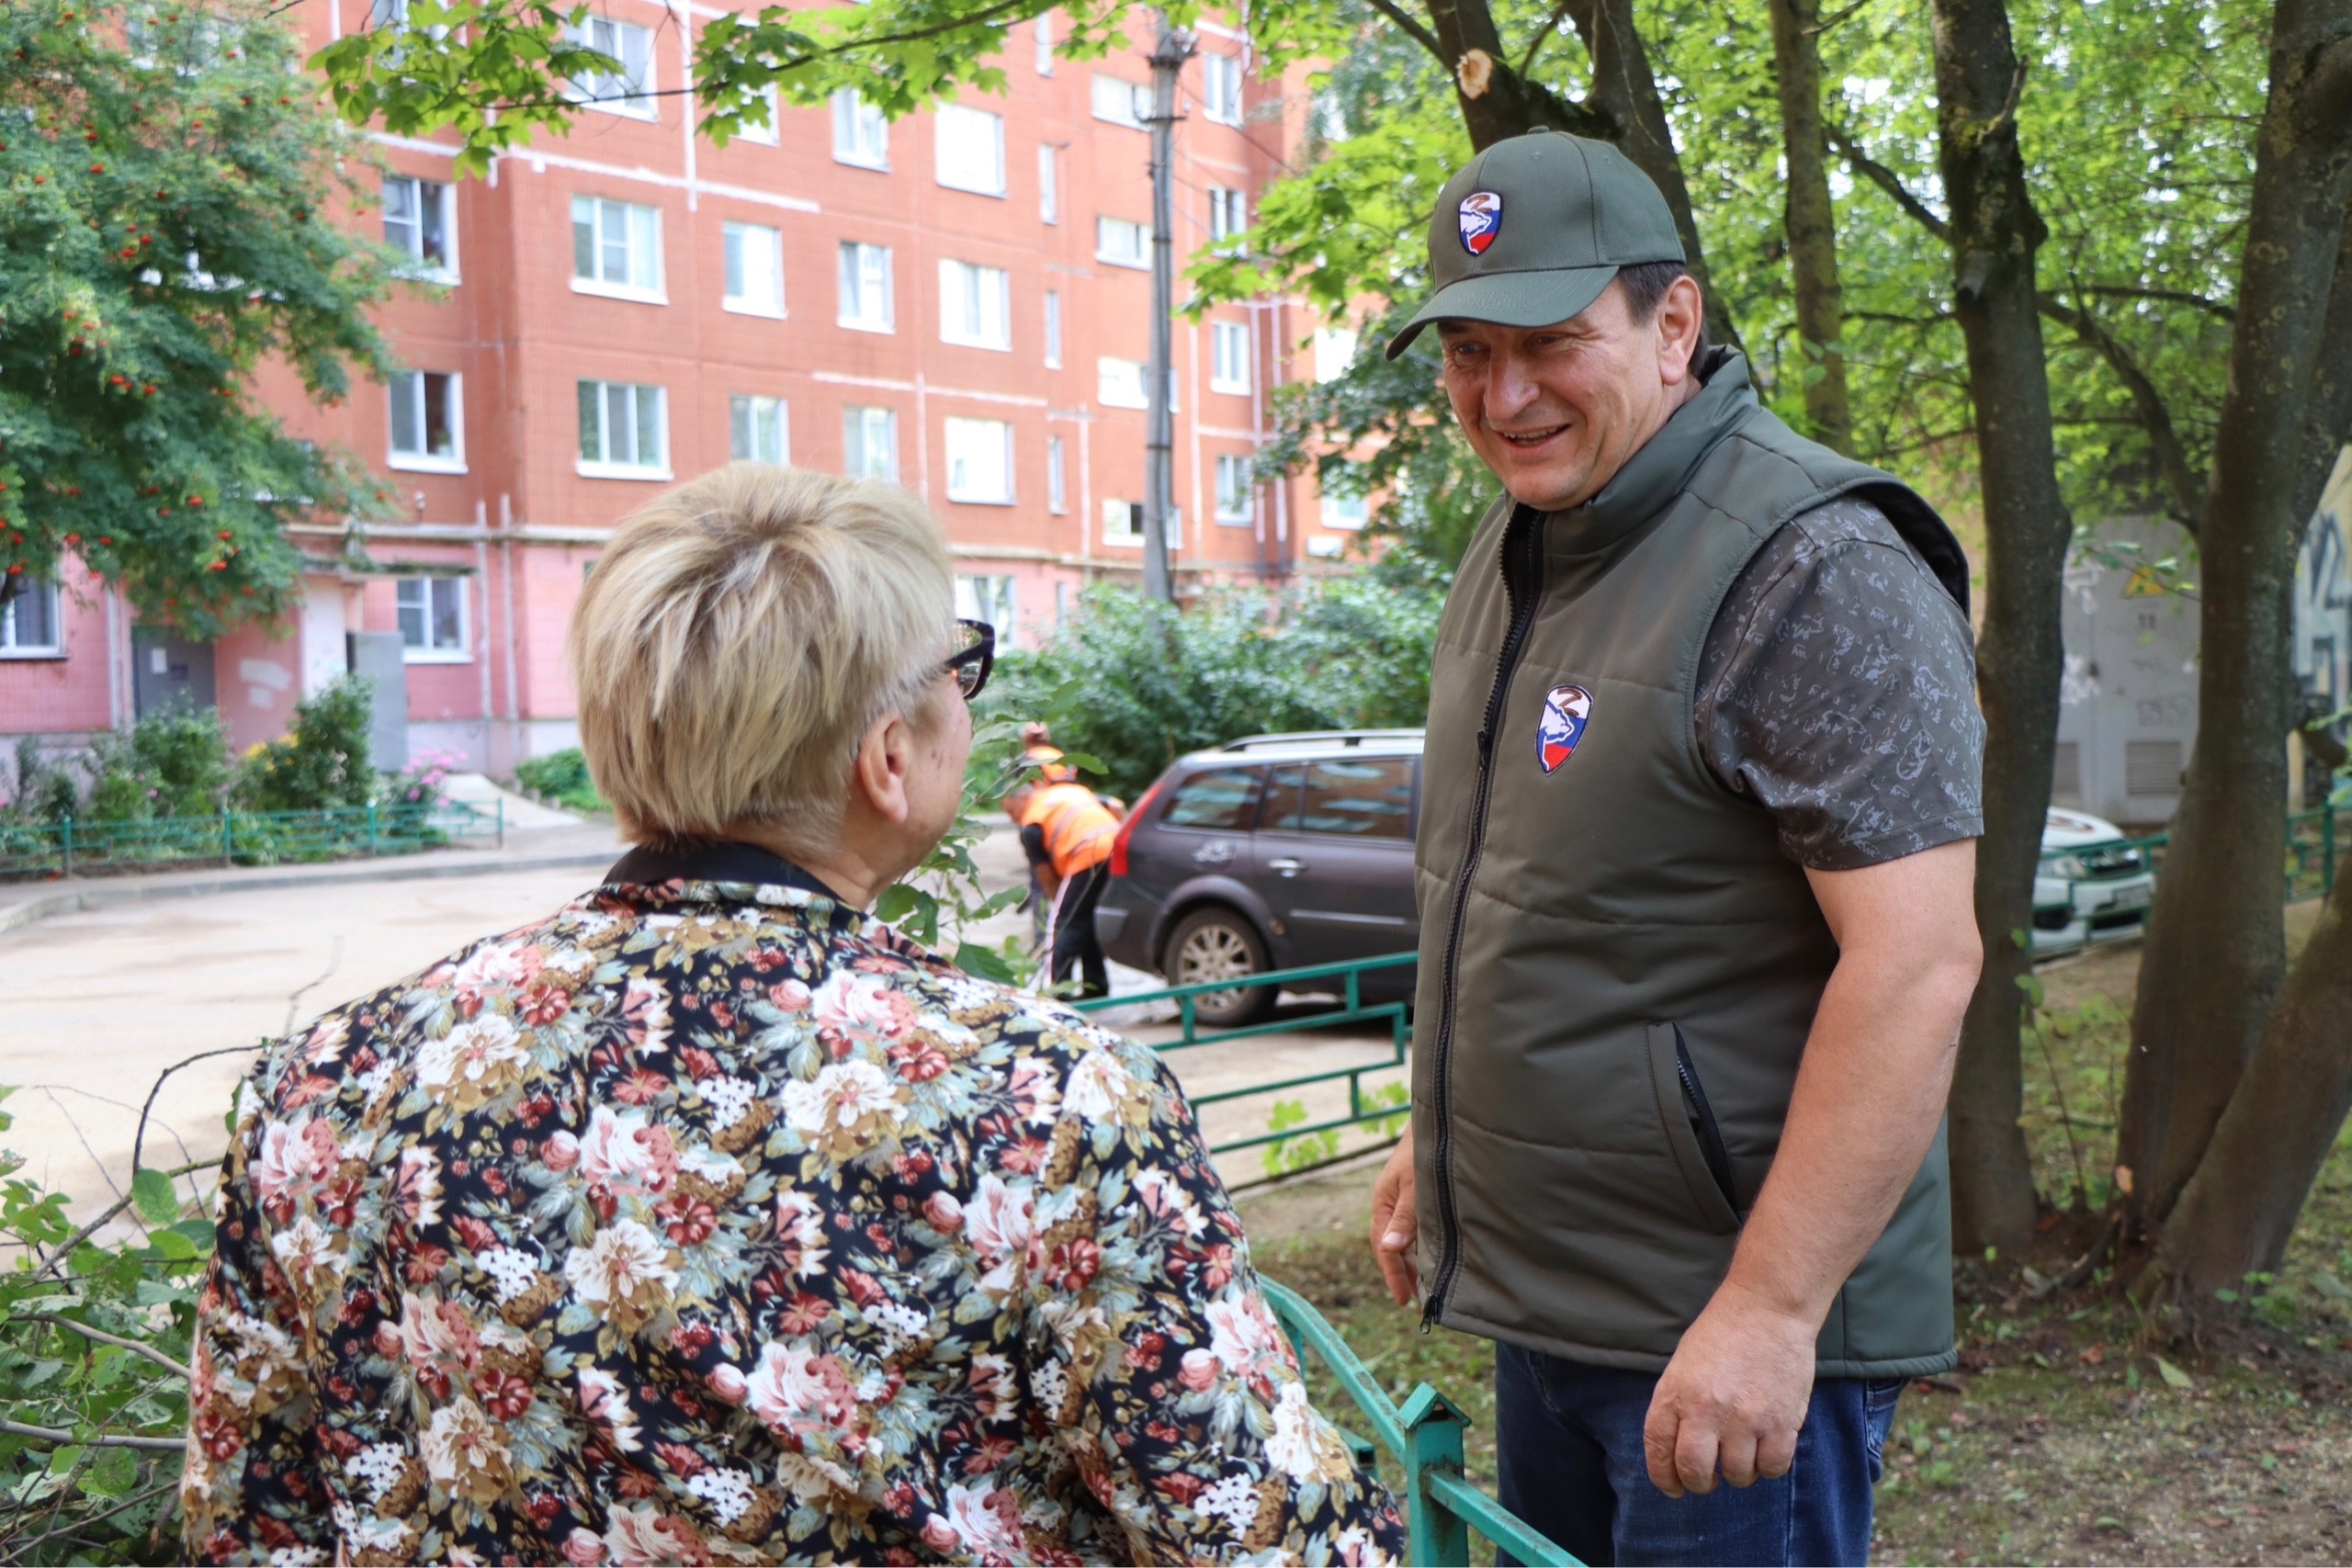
1681, 314
886, 755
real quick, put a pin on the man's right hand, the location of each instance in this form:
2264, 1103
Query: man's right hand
1396, 1226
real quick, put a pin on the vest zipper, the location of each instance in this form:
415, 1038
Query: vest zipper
1525, 534
1702, 1123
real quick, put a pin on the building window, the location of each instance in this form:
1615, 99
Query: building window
623, 431
1335, 350
764, 133
754, 269
987, 597
969, 143
1049, 199
1229, 356
1221, 88
860, 134
1045, 45
1122, 384
1228, 215
1349, 512
759, 429
1122, 524
29, 624
625, 90
1053, 329
432, 619
870, 443
1057, 488
979, 461
428, 421
420, 219
1122, 243
615, 248
1122, 102
1232, 488
866, 287
974, 305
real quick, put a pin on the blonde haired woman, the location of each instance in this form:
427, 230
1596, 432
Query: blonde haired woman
711, 1220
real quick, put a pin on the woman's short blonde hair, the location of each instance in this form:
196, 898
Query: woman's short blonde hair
740, 633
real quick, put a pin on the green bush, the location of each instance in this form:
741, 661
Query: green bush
319, 763
45, 792
1139, 685
170, 765
562, 777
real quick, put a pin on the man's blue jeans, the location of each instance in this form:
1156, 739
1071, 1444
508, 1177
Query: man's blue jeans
1569, 1457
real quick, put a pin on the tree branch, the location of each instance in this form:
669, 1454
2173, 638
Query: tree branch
1550, 30
103, 1337
2169, 296
1886, 179
103, 1441
2172, 458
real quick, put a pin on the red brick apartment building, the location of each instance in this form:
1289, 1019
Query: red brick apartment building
960, 301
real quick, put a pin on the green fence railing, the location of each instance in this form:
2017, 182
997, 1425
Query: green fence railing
1345, 978
2316, 841
1423, 1434
244, 837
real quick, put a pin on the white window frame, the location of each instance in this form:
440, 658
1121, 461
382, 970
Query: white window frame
1049, 188
1114, 377
1221, 88
1045, 44
1056, 486
861, 133
962, 486
604, 467
1106, 228
1234, 502
864, 418
444, 198
745, 412
411, 384
992, 597
429, 651
635, 100
1123, 525
1228, 216
1229, 357
854, 276
1053, 329
970, 296
959, 132
736, 242
28, 587
1335, 350
598, 206
764, 135
1343, 513
1117, 101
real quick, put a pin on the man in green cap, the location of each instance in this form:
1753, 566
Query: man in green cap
1697, 843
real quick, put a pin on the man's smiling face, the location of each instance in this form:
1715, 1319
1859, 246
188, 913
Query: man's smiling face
1556, 410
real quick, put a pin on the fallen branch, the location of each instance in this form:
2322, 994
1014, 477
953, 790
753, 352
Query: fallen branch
65, 1248
103, 1441
103, 1337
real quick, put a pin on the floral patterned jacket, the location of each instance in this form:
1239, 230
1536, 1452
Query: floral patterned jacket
714, 1222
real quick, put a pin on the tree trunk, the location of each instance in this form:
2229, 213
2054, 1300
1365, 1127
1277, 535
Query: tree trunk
1625, 93
2216, 948
1812, 222
1495, 99
2237, 1213
1995, 233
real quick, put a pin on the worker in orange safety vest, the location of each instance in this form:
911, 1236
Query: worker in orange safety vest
1066, 831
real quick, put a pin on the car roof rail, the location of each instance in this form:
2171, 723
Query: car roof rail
1343, 736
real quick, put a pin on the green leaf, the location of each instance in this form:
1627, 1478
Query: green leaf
1086, 761
2030, 984
2225, 1294
898, 901
976, 959
153, 1196
2173, 1374
111, 1474
173, 1244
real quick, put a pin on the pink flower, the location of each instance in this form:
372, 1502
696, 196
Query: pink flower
789, 994
945, 1215
796, 1390
728, 1383
623, 1153
560, 1152
1200, 1372
583, 1547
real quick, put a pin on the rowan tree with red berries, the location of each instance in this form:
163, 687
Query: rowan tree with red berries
167, 180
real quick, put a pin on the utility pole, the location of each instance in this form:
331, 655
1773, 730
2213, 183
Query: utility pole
1167, 57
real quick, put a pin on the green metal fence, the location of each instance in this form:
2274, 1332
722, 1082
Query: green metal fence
1345, 978
246, 838
2315, 841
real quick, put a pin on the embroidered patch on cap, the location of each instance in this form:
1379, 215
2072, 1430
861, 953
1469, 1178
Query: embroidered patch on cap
1564, 710
1482, 220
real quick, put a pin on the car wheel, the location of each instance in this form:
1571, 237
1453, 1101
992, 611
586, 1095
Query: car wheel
1219, 943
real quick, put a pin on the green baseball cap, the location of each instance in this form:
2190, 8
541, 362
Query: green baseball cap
1532, 229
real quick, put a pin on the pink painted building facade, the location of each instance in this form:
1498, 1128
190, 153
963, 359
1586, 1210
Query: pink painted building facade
959, 301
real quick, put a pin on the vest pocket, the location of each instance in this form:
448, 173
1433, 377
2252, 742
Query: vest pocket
1692, 1136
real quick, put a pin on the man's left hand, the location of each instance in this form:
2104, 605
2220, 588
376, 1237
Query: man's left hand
1734, 1397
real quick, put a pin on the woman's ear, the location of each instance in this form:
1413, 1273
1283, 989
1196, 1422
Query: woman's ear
886, 755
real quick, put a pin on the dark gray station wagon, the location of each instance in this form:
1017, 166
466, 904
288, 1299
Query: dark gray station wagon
1276, 851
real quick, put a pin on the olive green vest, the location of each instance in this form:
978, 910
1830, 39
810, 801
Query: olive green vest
1619, 965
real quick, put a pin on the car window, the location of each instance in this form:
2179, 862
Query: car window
1349, 797
1224, 800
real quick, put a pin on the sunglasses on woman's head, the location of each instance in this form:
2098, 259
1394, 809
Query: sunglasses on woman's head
971, 662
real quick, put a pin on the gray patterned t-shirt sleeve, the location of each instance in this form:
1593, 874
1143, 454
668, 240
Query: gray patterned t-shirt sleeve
1837, 689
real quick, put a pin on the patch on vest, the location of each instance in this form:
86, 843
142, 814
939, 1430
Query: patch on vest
1565, 708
